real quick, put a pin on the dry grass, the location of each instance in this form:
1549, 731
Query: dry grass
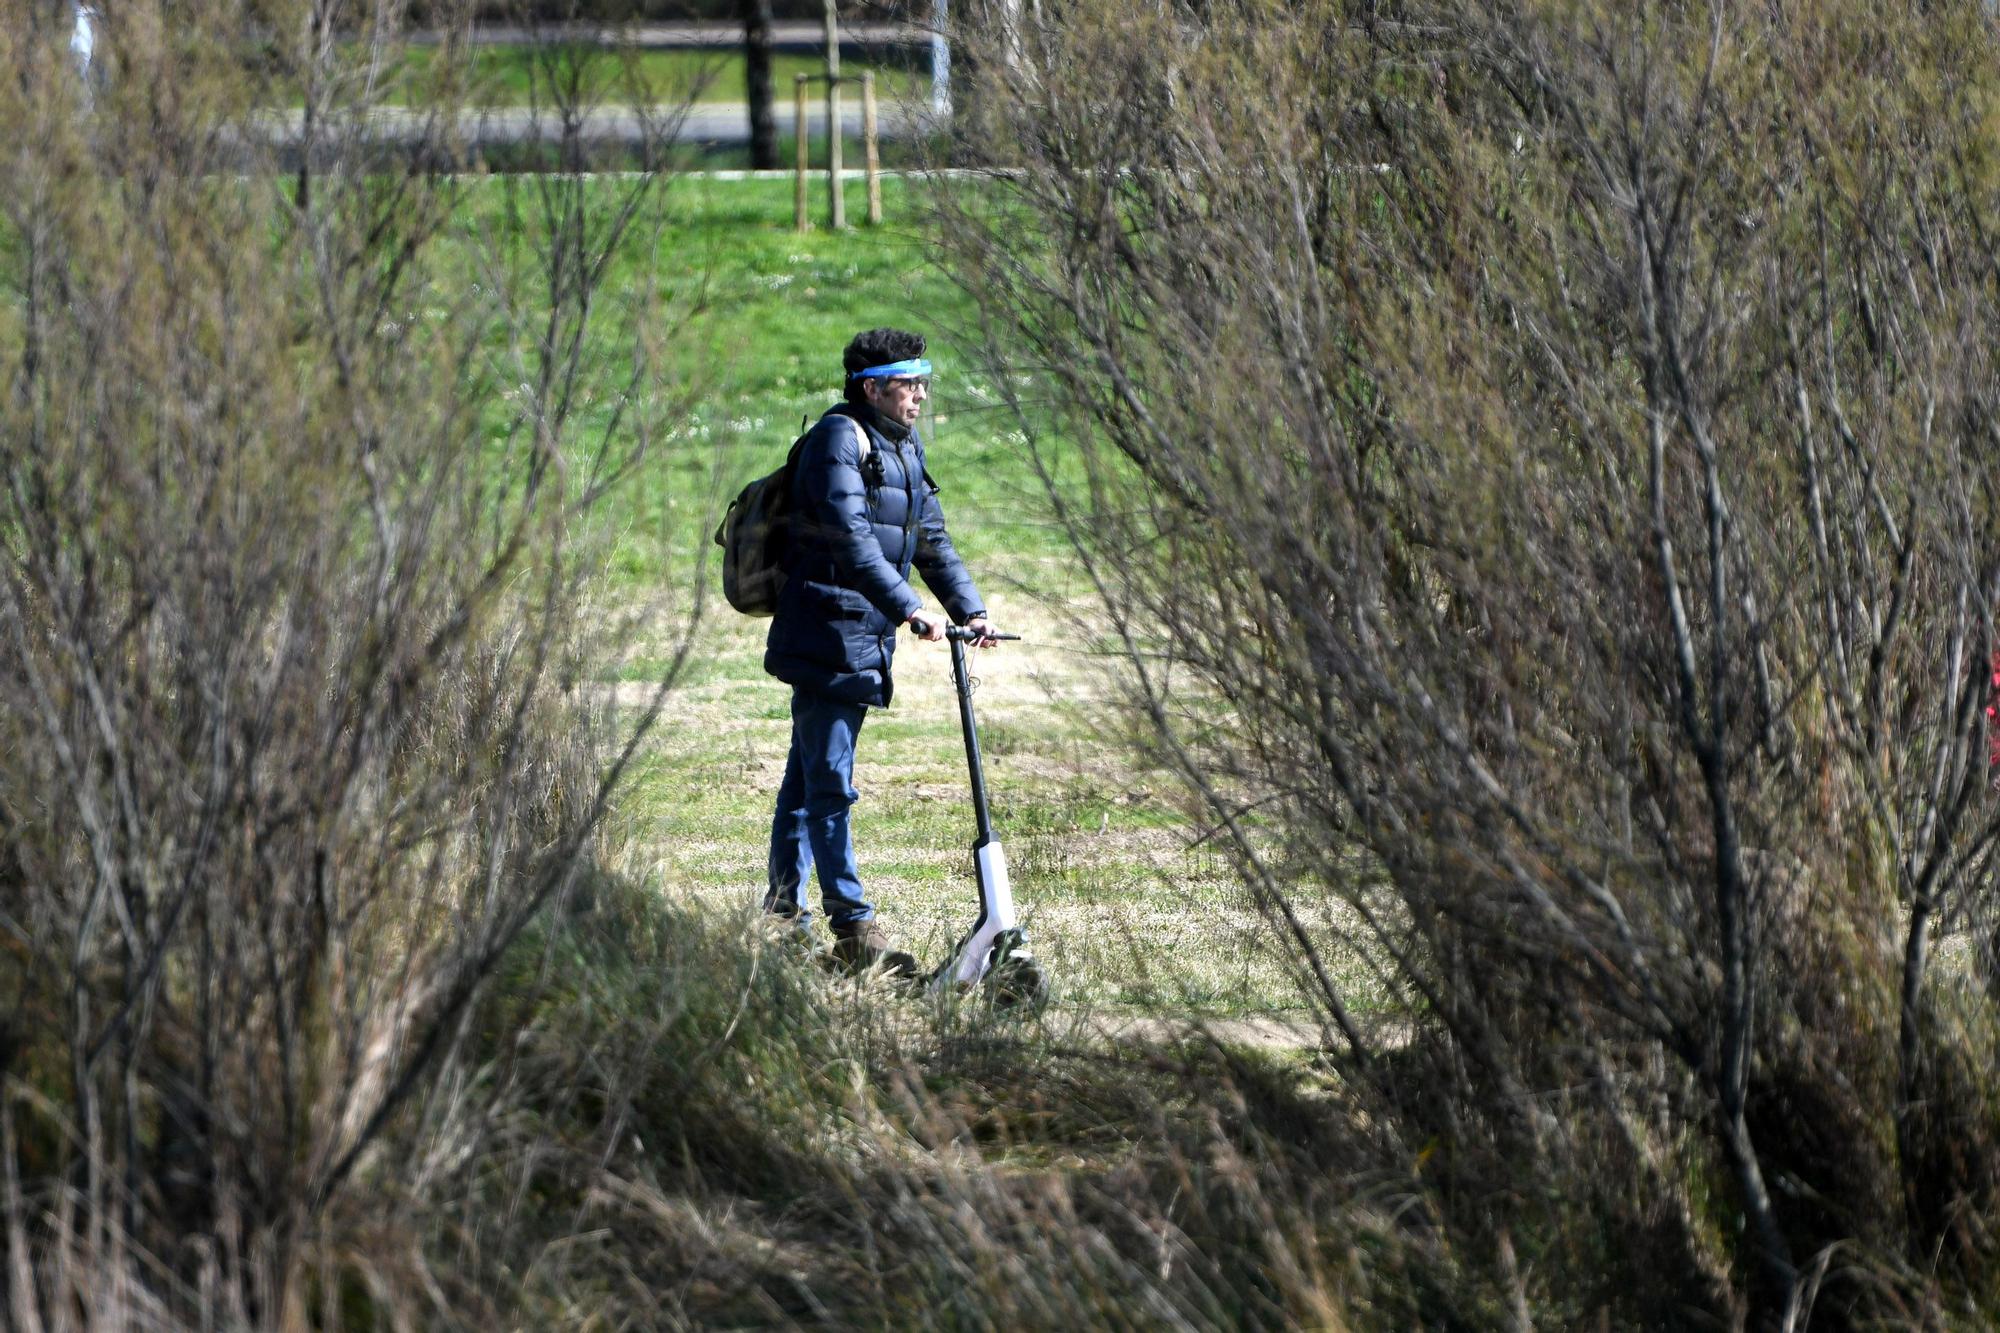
1128, 913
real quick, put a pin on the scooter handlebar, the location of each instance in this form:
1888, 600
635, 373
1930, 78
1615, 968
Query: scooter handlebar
963, 635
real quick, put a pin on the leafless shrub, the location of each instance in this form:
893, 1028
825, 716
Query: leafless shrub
299, 468
1537, 461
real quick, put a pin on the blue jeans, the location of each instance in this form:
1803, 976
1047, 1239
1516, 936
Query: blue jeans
810, 826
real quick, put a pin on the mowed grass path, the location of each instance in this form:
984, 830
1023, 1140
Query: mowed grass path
1125, 913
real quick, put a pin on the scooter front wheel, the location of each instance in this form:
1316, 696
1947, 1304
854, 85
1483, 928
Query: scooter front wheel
1016, 979
1019, 983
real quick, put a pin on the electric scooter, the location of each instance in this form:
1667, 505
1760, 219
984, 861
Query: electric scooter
995, 951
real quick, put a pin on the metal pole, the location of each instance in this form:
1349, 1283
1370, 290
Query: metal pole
965, 720
871, 153
800, 222
835, 193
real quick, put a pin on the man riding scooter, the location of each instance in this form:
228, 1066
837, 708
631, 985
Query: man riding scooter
865, 514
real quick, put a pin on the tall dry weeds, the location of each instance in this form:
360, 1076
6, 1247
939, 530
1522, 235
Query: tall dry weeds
704, 1129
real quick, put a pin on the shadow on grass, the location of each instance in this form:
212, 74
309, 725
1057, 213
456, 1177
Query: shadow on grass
698, 1124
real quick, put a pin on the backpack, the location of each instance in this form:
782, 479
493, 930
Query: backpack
754, 532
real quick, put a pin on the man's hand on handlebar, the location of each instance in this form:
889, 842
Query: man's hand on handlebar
978, 631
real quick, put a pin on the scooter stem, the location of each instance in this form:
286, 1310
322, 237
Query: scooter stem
994, 935
970, 727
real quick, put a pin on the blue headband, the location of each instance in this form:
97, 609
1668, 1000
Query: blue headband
894, 370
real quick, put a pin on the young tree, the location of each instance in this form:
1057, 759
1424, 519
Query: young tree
1536, 462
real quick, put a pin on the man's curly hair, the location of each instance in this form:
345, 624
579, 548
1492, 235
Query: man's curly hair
877, 347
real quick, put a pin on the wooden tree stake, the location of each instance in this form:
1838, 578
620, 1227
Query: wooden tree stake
803, 158
868, 147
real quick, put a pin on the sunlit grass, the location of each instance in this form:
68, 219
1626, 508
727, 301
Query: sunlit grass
750, 316
1125, 914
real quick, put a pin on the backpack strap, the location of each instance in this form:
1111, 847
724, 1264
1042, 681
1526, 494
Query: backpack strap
792, 458
912, 510
860, 436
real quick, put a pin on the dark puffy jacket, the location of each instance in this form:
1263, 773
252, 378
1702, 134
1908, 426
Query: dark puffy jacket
857, 530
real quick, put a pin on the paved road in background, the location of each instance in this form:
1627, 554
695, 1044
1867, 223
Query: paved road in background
723, 124
716, 124
786, 36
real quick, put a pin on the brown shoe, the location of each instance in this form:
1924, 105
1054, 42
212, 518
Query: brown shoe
860, 945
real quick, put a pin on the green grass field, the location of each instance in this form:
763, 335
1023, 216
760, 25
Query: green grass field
1122, 910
